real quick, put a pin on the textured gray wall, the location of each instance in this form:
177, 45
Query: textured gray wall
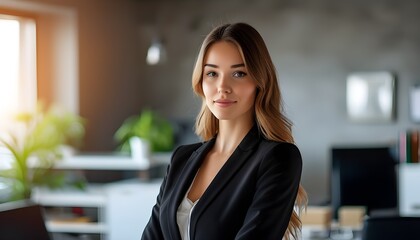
314, 45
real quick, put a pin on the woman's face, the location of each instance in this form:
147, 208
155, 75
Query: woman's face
228, 88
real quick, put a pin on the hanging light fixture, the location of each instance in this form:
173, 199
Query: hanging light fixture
156, 53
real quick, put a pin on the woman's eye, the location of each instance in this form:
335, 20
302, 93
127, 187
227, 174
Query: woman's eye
239, 74
211, 74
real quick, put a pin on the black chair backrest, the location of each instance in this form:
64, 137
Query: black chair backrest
22, 220
391, 228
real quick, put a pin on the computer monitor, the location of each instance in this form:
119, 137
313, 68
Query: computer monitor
22, 220
363, 176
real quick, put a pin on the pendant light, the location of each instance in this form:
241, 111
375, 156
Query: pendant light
156, 54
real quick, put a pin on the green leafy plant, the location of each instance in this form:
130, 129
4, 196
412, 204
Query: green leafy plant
35, 145
148, 126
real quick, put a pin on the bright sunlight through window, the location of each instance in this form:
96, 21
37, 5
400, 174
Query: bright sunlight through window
17, 67
9, 66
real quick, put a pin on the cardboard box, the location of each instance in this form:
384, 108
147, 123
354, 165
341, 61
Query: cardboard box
317, 216
351, 216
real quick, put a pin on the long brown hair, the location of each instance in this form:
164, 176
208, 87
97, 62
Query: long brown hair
268, 103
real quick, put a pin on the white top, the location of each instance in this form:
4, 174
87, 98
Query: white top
183, 217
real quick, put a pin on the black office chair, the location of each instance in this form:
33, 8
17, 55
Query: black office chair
22, 220
391, 228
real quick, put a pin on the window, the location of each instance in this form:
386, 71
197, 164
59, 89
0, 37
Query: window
18, 91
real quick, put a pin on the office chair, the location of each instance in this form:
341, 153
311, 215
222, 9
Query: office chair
391, 228
22, 220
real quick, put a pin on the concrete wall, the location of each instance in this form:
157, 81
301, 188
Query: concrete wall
314, 45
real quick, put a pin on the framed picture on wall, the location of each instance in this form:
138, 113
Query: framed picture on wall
415, 103
370, 97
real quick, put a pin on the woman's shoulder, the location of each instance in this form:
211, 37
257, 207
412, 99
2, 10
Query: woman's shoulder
288, 153
188, 147
279, 146
186, 150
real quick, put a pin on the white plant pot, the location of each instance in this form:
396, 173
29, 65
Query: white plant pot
140, 149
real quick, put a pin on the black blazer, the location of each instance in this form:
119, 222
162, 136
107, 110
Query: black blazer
251, 197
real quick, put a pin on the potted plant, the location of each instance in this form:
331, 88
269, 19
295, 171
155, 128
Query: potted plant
39, 136
148, 126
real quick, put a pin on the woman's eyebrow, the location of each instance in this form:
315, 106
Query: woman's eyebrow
211, 65
238, 65
233, 66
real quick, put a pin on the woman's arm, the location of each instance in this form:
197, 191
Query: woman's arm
152, 231
276, 189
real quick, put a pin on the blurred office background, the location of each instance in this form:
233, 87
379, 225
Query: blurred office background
315, 45
91, 57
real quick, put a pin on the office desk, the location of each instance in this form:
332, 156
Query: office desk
335, 233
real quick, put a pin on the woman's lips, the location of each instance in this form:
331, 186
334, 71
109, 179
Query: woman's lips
224, 102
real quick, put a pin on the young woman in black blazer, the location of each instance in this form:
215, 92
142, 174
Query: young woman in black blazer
243, 181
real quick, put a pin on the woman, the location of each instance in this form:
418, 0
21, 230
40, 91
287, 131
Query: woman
243, 181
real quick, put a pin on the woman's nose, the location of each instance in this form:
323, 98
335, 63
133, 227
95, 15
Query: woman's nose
224, 91
223, 86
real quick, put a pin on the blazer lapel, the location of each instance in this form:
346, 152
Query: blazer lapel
185, 181
223, 177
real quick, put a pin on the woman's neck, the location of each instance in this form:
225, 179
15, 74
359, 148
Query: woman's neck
230, 136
